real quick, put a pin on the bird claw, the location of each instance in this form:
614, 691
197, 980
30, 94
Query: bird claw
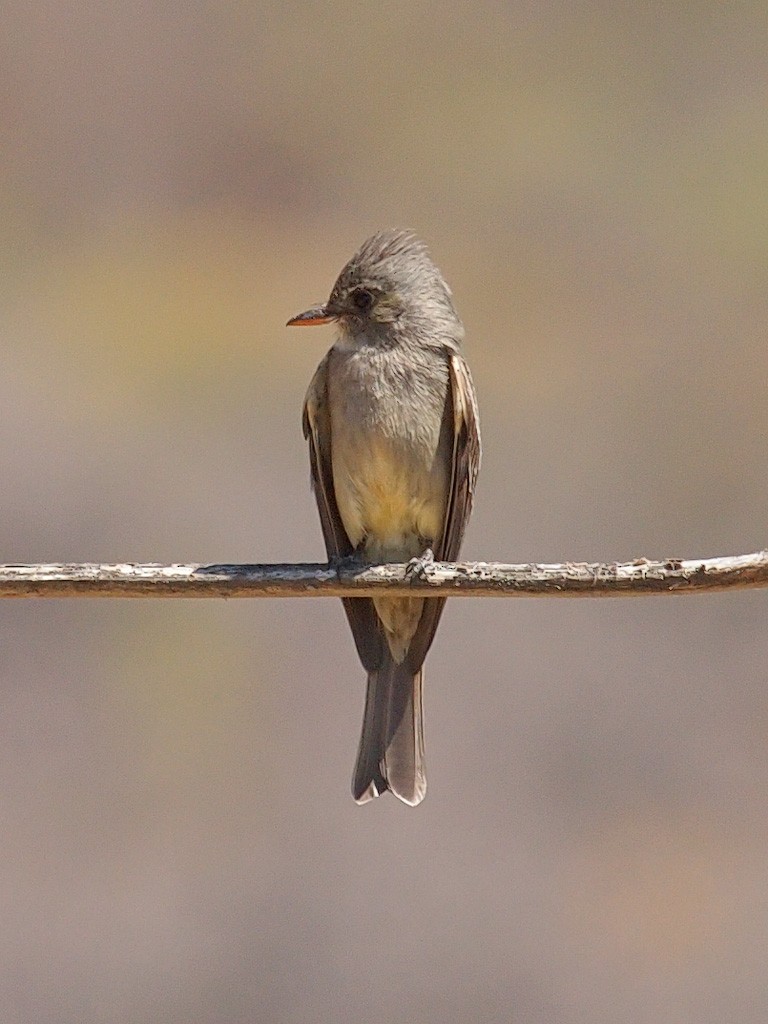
416, 569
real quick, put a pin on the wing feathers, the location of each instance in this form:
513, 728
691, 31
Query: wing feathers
363, 620
465, 463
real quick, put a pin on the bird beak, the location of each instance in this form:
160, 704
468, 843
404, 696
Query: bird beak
311, 317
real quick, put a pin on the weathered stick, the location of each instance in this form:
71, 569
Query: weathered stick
440, 579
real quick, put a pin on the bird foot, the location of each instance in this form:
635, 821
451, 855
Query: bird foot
416, 569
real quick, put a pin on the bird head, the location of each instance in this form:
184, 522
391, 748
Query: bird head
389, 287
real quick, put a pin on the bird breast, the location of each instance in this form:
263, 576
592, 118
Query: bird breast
391, 447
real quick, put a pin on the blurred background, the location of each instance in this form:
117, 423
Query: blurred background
178, 842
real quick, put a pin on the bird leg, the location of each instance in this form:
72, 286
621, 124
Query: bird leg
417, 567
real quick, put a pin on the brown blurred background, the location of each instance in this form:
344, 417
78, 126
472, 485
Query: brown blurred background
178, 842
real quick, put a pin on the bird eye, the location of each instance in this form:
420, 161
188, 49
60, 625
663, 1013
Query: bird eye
362, 299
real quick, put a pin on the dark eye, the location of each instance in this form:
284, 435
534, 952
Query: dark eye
362, 299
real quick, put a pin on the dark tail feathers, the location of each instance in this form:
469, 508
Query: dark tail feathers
391, 753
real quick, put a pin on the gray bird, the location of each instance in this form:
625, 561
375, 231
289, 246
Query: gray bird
394, 445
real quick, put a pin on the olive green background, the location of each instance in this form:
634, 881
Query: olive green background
177, 838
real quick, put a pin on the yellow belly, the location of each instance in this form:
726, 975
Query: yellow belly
395, 505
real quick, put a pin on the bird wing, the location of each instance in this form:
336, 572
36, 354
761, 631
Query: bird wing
316, 423
465, 464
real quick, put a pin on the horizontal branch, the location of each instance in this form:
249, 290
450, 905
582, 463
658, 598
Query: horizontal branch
440, 579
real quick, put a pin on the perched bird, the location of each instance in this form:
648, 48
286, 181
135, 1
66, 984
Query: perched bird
394, 445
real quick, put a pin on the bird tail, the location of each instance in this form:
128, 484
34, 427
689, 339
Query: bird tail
391, 752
